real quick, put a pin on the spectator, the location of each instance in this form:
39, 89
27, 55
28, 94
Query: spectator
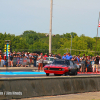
87, 63
58, 56
30, 57
40, 61
20, 54
74, 58
64, 56
35, 58
24, 61
18, 60
68, 57
14, 53
0, 57
92, 64
54, 56
96, 63
23, 53
50, 55
21, 61
83, 61
4, 60
78, 58
45, 56
11, 59
26, 54
14, 60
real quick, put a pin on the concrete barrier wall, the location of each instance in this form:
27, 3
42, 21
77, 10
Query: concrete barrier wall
34, 87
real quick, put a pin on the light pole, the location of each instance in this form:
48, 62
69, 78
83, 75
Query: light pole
50, 34
97, 34
71, 44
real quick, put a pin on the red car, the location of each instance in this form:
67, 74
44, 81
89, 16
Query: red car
60, 67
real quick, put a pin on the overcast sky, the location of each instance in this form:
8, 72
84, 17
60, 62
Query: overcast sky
79, 16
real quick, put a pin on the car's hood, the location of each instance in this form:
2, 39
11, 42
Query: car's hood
55, 65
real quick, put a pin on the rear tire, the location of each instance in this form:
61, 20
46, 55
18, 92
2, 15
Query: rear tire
47, 74
75, 73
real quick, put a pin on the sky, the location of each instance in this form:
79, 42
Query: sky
79, 16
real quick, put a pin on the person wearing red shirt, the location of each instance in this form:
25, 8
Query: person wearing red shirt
45, 56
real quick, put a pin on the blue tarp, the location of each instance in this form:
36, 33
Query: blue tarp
21, 73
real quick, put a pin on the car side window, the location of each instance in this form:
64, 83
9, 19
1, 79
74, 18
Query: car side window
67, 62
71, 63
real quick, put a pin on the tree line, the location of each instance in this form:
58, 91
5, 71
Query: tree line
31, 41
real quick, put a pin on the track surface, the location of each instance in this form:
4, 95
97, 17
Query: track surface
30, 72
23, 73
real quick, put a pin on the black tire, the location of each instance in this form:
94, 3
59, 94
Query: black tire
57, 74
75, 73
47, 74
66, 73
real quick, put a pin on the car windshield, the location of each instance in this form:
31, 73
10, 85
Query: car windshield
50, 59
62, 62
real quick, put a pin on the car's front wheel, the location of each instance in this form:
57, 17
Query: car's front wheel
66, 73
57, 74
47, 74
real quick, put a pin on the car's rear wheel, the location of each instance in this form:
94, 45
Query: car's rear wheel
47, 74
75, 73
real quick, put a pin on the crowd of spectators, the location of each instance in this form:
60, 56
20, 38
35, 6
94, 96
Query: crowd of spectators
18, 59
88, 63
24, 59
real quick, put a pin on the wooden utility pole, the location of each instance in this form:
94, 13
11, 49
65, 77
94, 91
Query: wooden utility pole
50, 34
